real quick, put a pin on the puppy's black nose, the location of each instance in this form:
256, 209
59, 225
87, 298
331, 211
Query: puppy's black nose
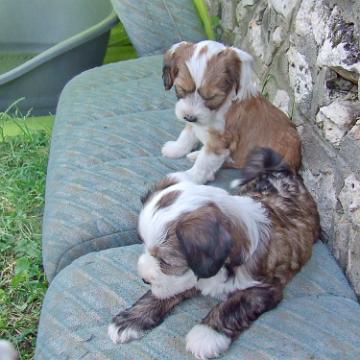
190, 118
146, 282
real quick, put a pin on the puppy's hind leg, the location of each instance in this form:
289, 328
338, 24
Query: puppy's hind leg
186, 141
147, 313
228, 319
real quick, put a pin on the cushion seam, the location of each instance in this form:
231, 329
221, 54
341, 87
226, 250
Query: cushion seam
84, 242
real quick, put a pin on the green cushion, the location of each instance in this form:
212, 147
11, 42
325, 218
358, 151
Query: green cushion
319, 318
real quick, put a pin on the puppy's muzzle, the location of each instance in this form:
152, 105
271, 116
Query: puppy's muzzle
146, 282
190, 118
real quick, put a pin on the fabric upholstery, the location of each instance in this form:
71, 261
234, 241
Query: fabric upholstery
154, 25
110, 125
105, 152
318, 319
90, 156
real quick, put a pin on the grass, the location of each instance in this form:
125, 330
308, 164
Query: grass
207, 21
23, 160
119, 47
24, 147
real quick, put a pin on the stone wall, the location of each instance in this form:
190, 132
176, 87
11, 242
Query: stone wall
307, 58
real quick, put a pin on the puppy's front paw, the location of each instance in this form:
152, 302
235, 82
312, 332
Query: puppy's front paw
180, 176
173, 150
120, 335
123, 330
206, 343
199, 177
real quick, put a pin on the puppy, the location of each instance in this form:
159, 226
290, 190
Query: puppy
242, 249
222, 109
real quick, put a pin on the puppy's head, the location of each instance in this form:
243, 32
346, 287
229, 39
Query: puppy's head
207, 76
185, 235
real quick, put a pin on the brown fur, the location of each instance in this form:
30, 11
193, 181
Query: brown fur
256, 123
160, 185
295, 227
241, 308
173, 61
199, 226
221, 75
168, 199
148, 311
169, 253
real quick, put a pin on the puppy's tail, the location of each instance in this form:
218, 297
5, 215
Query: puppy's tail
261, 161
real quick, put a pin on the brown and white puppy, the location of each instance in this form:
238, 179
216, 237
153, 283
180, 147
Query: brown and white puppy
242, 249
223, 110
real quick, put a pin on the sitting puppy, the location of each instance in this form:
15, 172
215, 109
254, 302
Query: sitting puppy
218, 100
242, 249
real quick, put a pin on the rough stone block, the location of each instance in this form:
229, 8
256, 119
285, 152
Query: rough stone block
300, 78
337, 119
311, 50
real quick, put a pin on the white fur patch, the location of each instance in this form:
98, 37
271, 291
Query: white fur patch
163, 286
173, 150
248, 87
7, 351
245, 211
193, 155
175, 46
206, 166
219, 285
197, 63
124, 336
148, 267
167, 285
186, 141
235, 183
206, 343
153, 223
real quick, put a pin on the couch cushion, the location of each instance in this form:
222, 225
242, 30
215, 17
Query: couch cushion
90, 134
319, 318
105, 151
155, 25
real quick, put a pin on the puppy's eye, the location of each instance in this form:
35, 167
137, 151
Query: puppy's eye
209, 97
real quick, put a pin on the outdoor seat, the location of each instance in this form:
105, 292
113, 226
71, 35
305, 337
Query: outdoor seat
110, 125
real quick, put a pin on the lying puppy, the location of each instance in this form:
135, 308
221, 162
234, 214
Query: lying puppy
242, 249
223, 109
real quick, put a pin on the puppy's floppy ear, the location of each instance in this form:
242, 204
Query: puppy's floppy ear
178, 53
204, 240
241, 69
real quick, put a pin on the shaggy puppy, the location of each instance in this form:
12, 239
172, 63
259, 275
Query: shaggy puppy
222, 109
242, 249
